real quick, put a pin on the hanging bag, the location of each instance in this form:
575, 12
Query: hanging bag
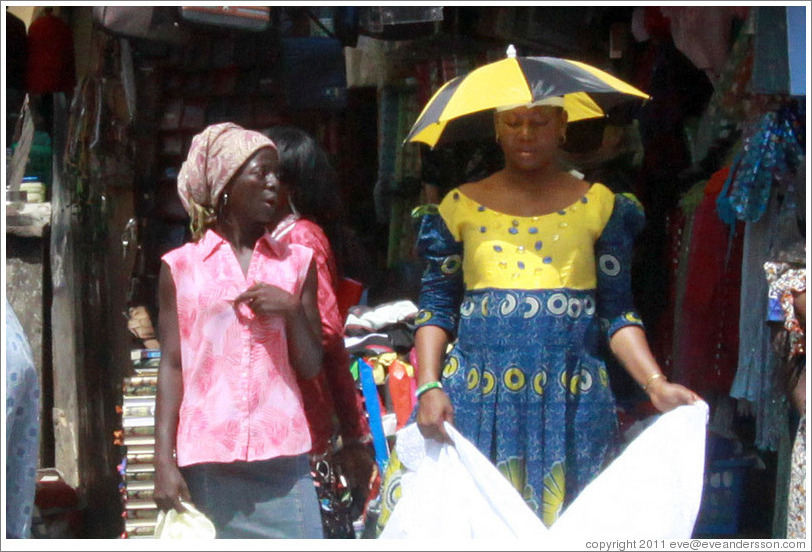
150, 23
246, 18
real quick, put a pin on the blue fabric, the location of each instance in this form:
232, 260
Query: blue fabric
22, 429
525, 374
269, 499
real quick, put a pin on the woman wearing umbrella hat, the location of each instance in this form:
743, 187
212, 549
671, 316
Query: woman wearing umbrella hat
528, 272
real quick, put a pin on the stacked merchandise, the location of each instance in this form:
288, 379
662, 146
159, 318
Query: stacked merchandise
138, 441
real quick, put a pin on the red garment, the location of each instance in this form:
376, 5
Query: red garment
333, 392
50, 65
707, 335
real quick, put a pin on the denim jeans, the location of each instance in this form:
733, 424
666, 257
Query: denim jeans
266, 499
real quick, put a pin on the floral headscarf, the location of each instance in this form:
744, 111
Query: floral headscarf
215, 156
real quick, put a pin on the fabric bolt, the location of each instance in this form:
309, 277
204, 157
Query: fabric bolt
22, 429
240, 396
333, 390
796, 507
270, 499
215, 156
532, 300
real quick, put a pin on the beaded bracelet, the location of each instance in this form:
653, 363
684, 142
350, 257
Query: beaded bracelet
426, 386
651, 378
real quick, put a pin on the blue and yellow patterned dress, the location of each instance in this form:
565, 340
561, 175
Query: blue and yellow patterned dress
531, 300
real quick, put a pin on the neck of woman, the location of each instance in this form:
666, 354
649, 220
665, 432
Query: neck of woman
240, 236
532, 178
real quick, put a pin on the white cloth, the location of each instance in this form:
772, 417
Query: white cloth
652, 490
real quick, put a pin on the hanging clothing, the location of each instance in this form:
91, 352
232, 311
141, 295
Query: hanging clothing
532, 300
708, 332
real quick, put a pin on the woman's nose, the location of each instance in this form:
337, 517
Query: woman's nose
272, 181
526, 130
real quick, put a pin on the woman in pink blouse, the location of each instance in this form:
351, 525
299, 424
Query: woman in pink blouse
310, 214
239, 322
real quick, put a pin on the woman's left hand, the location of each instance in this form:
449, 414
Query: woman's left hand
266, 300
357, 463
667, 396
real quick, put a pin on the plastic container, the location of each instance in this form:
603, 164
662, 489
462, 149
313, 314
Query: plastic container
722, 496
40, 160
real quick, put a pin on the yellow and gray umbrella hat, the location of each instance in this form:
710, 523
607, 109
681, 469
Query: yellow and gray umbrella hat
461, 109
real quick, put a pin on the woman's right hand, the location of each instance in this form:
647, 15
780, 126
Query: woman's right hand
434, 408
170, 488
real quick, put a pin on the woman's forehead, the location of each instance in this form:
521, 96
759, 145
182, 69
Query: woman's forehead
544, 111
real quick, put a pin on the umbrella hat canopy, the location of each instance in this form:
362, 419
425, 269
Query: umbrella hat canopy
462, 108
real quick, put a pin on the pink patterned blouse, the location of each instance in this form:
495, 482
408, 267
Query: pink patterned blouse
240, 397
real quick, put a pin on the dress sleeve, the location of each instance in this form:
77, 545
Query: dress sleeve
442, 285
614, 251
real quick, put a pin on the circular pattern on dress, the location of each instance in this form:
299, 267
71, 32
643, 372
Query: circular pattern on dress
467, 307
488, 382
484, 306
574, 307
451, 367
514, 379
632, 317
589, 306
557, 303
539, 382
423, 316
497, 248
483, 229
534, 305
575, 384
603, 376
508, 304
473, 378
609, 265
451, 265
513, 230
586, 381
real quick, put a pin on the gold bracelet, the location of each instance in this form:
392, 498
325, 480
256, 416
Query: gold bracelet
651, 378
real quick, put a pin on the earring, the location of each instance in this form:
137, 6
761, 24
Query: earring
225, 199
562, 139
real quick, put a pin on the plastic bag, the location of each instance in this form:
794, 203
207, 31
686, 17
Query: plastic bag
191, 524
652, 490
